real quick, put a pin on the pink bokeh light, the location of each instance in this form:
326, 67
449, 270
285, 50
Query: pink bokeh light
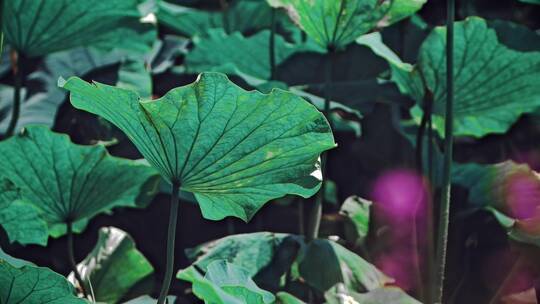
400, 200
400, 195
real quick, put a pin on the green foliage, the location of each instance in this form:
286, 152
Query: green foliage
233, 150
325, 263
36, 28
220, 142
34, 285
240, 250
241, 16
385, 295
508, 190
225, 283
357, 212
267, 257
114, 266
20, 219
334, 24
71, 183
274, 252
238, 55
494, 85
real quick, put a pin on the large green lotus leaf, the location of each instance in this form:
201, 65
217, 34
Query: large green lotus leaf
335, 24
241, 16
225, 283
114, 266
385, 295
265, 256
237, 54
20, 219
34, 285
40, 27
510, 191
235, 150
72, 183
494, 85
357, 212
326, 263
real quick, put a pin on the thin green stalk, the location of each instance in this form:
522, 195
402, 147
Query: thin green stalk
430, 221
71, 256
272, 46
17, 66
444, 217
316, 212
171, 237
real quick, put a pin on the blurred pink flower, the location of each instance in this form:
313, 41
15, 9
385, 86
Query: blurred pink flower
522, 194
399, 195
398, 264
400, 200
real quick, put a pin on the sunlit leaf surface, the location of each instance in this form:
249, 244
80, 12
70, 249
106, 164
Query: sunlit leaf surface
234, 149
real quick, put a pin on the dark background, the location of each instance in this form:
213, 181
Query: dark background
354, 165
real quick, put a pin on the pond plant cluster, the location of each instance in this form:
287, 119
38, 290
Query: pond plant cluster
306, 151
